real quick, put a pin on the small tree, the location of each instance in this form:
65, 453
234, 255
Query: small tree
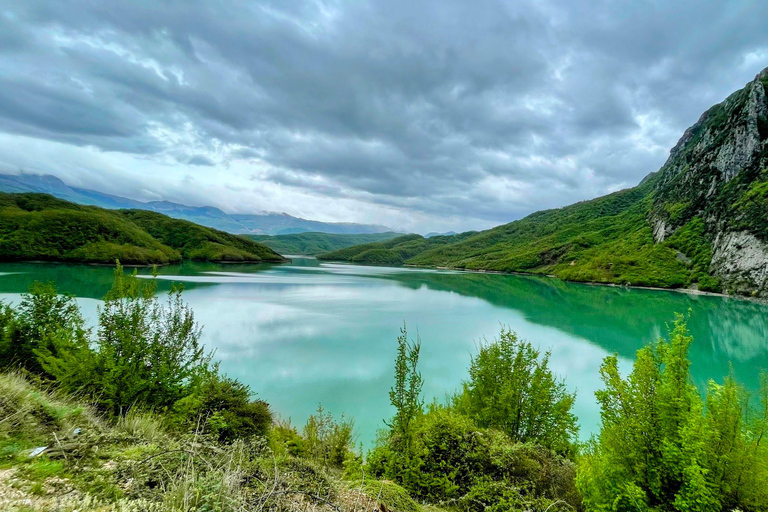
512, 389
45, 324
326, 440
405, 395
148, 352
661, 447
145, 352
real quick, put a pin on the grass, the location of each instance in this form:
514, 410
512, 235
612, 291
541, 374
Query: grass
137, 464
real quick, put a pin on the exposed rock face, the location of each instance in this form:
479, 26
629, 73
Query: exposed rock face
715, 173
741, 260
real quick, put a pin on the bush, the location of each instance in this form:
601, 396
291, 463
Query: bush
512, 389
44, 325
452, 457
225, 408
660, 446
145, 353
327, 440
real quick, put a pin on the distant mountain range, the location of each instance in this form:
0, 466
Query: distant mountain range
263, 223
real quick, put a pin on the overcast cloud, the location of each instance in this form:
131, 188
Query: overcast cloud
419, 115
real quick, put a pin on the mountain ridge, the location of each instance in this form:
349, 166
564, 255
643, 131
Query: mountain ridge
41, 227
266, 223
699, 222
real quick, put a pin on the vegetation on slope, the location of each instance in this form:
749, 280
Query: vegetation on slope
603, 240
661, 233
395, 251
41, 227
176, 435
197, 242
312, 244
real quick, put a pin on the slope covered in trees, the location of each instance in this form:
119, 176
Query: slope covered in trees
312, 243
41, 227
699, 222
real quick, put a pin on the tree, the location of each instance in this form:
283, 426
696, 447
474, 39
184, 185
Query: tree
405, 395
145, 352
661, 447
45, 323
512, 389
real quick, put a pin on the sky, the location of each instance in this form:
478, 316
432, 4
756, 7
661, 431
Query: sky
422, 116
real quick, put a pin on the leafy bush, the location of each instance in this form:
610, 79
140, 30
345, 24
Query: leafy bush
44, 323
512, 389
660, 447
225, 408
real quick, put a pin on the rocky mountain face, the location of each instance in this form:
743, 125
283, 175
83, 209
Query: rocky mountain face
718, 174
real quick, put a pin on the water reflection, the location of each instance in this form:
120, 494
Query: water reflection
306, 332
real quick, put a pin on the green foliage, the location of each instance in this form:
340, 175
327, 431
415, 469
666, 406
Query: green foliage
327, 441
43, 324
454, 461
144, 353
40, 227
405, 395
224, 407
395, 251
662, 448
312, 244
391, 495
512, 389
466, 453
197, 242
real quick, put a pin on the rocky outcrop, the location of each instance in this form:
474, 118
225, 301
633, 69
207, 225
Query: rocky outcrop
727, 139
740, 260
709, 175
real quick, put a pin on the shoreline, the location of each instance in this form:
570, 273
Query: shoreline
687, 291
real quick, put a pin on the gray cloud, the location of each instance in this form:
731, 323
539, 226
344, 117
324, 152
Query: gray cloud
477, 113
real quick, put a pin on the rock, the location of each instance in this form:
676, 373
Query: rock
741, 260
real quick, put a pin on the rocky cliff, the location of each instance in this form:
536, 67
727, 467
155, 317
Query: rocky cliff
700, 222
718, 173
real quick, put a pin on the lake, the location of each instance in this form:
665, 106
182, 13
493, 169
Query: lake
306, 333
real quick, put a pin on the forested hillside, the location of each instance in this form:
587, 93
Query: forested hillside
700, 222
41, 227
311, 243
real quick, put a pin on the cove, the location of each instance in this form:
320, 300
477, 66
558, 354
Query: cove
306, 333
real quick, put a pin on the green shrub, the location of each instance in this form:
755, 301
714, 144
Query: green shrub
326, 440
224, 407
391, 495
512, 389
661, 447
44, 324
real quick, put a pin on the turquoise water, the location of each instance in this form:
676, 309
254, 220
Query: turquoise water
306, 333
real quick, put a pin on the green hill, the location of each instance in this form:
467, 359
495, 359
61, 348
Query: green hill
41, 227
395, 251
312, 243
701, 221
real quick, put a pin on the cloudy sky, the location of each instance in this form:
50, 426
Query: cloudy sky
422, 115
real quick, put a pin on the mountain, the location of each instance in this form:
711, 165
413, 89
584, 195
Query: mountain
311, 244
700, 222
44, 228
268, 223
435, 233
